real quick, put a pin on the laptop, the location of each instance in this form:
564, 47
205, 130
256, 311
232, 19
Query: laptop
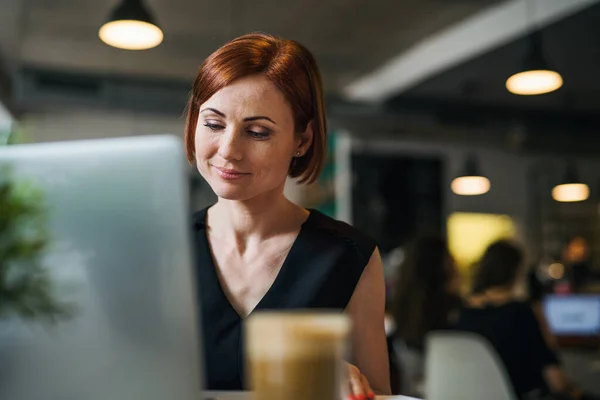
119, 251
573, 315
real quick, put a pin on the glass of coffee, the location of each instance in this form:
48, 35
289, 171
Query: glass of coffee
296, 355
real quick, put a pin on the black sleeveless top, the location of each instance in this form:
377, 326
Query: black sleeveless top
321, 270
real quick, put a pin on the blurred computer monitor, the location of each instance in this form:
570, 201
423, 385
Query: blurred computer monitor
573, 315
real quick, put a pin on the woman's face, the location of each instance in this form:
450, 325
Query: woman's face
245, 139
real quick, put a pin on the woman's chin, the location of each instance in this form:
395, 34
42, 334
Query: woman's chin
232, 196
230, 192
241, 191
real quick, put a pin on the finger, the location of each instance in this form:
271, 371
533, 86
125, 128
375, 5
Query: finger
367, 386
357, 388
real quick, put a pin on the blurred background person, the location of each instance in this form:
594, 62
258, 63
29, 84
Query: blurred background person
496, 312
426, 295
576, 258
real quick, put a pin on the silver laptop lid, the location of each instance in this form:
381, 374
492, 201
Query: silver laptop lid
120, 252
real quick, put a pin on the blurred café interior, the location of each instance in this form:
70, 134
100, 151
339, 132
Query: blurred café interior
474, 120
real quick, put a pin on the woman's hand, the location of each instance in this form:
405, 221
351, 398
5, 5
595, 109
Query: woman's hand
359, 388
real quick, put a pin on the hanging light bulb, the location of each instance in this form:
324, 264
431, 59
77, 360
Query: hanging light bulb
131, 26
470, 182
537, 77
571, 189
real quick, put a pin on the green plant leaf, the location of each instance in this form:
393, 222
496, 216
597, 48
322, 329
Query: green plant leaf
26, 288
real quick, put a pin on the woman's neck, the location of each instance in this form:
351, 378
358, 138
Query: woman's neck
500, 295
255, 219
495, 296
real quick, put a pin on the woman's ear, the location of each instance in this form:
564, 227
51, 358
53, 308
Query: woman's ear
305, 139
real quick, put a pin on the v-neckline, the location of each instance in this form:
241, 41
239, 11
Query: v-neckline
291, 255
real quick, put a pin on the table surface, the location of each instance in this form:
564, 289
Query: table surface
246, 396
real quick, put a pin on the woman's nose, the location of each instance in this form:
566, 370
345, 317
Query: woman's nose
230, 146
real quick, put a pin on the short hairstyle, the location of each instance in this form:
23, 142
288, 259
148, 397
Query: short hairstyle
499, 266
290, 67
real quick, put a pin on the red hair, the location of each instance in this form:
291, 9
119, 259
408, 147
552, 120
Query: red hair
290, 67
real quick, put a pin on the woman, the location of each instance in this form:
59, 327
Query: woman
426, 294
511, 326
255, 117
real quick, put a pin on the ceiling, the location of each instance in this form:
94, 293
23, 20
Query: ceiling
51, 52
472, 94
570, 45
348, 37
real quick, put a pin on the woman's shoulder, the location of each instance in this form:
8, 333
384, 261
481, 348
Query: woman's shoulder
339, 232
475, 306
519, 306
514, 309
322, 229
525, 311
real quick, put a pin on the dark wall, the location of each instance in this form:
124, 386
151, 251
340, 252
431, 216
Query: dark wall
396, 197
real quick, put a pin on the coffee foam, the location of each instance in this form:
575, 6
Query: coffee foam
296, 334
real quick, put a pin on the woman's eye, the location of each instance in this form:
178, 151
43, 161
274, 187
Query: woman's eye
259, 135
213, 127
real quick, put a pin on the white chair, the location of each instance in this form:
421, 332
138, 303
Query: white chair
464, 366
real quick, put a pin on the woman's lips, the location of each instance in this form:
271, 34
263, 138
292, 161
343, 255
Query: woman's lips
229, 174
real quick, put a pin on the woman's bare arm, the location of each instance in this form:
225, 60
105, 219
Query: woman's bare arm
367, 310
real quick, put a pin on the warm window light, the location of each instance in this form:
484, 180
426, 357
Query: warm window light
535, 77
470, 182
571, 189
530, 83
469, 234
131, 27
